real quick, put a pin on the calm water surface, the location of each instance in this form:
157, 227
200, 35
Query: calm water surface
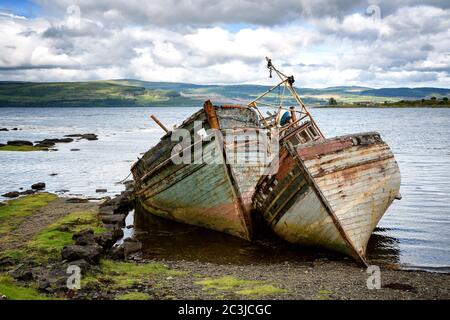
414, 232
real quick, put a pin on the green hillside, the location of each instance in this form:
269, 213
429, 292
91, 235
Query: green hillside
85, 94
136, 93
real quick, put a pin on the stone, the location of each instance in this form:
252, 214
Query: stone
117, 253
113, 219
83, 264
19, 143
12, 194
4, 129
22, 274
84, 237
27, 192
107, 210
74, 149
53, 174
38, 186
106, 239
87, 136
90, 253
131, 245
101, 190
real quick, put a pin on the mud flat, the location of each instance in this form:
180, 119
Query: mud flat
37, 231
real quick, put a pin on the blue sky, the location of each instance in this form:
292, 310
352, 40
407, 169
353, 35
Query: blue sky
24, 8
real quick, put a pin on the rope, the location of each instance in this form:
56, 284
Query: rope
122, 181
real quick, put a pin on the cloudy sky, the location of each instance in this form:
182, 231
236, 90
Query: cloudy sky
378, 43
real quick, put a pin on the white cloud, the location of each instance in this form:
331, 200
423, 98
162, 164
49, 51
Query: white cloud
409, 45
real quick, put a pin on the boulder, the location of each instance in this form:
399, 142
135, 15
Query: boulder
87, 136
131, 245
118, 219
4, 129
101, 190
90, 253
117, 253
106, 239
19, 143
38, 186
27, 192
107, 210
84, 237
83, 264
74, 149
12, 194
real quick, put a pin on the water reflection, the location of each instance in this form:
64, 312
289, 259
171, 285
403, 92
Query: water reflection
170, 240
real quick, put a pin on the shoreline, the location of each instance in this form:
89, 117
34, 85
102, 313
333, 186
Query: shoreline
34, 265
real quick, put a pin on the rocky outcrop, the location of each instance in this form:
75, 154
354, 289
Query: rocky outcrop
38, 186
91, 253
86, 136
19, 143
12, 194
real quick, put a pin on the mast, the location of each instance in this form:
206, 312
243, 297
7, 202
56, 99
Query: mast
287, 83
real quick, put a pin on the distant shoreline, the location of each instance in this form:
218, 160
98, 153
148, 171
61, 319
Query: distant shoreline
379, 107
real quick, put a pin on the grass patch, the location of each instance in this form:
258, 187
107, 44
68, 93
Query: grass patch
133, 296
261, 290
54, 237
125, 274
15, 254
324, 295
22, 148
13, 213
13, 291
239, 286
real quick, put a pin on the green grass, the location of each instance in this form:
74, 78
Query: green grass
22, 148
125, 274
239, 286
15, 254
54, 237
13, 213
14, 291
133, 296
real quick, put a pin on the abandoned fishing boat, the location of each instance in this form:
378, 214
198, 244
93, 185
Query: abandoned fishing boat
213, 184
327, 192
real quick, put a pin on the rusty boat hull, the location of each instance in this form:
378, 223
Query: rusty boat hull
330, 193
213, 193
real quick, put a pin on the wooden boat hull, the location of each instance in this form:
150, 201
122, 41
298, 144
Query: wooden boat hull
330, 193
215, 193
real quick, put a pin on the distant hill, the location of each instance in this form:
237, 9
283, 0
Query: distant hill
136, 93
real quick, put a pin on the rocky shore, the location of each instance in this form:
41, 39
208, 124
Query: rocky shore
44, 238
43, 145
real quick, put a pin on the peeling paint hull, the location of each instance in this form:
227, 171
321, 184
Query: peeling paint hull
330, 193
215, 195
